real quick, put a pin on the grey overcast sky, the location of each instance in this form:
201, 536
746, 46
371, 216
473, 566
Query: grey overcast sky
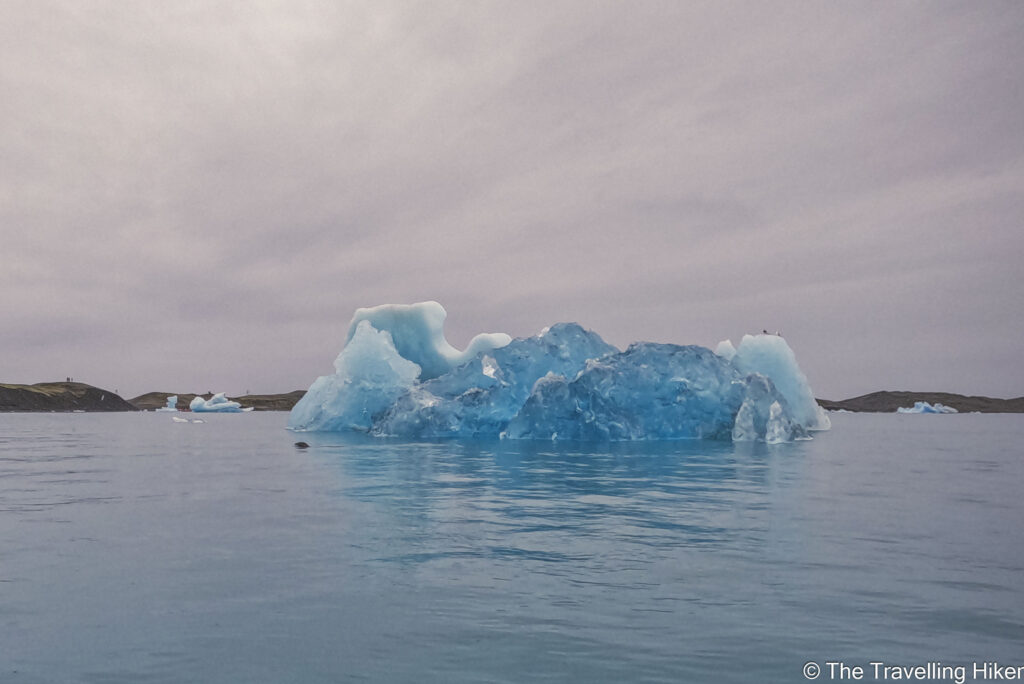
196, 195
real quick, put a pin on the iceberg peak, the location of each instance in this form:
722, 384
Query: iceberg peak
771, 356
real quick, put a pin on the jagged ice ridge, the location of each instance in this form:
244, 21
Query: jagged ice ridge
398, 376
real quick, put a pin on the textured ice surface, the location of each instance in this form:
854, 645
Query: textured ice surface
764, 415
770, 356
925, 407
218, 403
564, 383
369, 377
649, 391
480, 397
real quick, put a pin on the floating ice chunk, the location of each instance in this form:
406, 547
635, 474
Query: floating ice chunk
925, 407
218, 403
172, 404
770, 356
417, 331
176, 419
369, 376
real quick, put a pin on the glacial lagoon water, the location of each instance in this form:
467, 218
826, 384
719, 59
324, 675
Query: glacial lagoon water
137, 549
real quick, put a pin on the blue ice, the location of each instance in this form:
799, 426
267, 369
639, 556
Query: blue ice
925, 407
398, 376
218, 403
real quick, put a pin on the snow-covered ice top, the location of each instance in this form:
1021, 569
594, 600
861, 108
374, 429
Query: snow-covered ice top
218, 403
417, 332
398, 376
925, 407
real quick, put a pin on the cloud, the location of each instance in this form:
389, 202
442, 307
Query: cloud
248, 174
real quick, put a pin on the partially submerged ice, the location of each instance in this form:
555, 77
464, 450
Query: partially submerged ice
925, 407
398, 376
218, 403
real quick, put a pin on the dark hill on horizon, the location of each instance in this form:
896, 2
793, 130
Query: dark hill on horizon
60, 397
888, 402
66, 397
78, 396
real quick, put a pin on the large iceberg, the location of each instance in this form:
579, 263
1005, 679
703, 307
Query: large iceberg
398, 376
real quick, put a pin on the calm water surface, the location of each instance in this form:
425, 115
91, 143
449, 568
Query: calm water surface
137, 549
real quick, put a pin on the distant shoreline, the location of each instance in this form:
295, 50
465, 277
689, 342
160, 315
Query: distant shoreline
260, 402
67, 397
888, 402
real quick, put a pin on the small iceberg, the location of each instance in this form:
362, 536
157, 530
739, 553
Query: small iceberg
172, 405
925, 407
218, 403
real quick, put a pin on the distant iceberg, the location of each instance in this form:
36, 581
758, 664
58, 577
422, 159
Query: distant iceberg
218, 403
398, 376
172, 404
925, 407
